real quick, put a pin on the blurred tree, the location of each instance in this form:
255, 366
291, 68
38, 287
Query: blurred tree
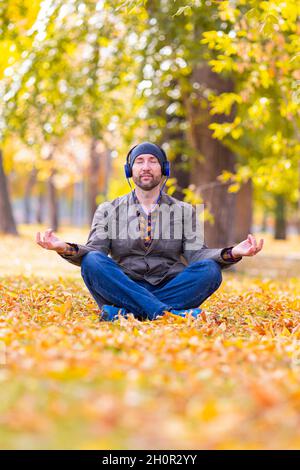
261, 50
31, 181
15, 18
76, 72
7, 223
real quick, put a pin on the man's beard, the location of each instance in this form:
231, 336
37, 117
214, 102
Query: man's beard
147, 184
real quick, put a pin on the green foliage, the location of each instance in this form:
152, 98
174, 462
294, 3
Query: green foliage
261, 51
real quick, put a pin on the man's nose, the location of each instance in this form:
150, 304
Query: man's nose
146, 165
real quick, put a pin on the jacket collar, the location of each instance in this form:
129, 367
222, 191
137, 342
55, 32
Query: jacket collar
165, 198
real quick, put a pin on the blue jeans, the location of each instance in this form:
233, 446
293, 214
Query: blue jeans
109, 285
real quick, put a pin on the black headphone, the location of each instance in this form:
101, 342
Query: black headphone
165, 165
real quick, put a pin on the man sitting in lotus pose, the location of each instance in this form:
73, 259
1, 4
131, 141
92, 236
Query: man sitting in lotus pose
158, 263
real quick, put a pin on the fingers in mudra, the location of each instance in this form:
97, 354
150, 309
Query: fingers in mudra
48, 234
254, 248
44, 240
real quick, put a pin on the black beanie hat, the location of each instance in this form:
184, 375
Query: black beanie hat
147, 147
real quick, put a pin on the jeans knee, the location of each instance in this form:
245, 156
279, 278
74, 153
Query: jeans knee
90, 258
213, 271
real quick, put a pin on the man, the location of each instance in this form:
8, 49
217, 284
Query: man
150, 272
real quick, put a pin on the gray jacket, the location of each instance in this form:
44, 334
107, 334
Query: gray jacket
164, 258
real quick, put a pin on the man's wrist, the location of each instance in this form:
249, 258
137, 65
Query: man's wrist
61, 250
228, 256
71, 249
234, 255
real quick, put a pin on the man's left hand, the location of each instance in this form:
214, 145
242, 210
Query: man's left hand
248, 247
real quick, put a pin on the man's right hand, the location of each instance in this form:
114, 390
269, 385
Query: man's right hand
50, 242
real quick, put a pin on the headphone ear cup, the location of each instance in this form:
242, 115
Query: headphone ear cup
166, 169
127, 170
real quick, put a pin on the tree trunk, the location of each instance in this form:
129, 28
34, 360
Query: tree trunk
93, 177
264, 224
40, 207
53, 205
27, 195
182, 176
7, 221
78, 203
178, 165
211, 158
105, 170
280, 218
243, 212
52, 198
99, 171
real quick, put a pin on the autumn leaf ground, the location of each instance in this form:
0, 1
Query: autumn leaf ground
228, 380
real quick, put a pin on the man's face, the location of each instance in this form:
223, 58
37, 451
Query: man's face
146, 171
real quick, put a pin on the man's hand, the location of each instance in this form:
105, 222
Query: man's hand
247, 247
50, 241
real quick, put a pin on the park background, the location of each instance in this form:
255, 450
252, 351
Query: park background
216, 83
